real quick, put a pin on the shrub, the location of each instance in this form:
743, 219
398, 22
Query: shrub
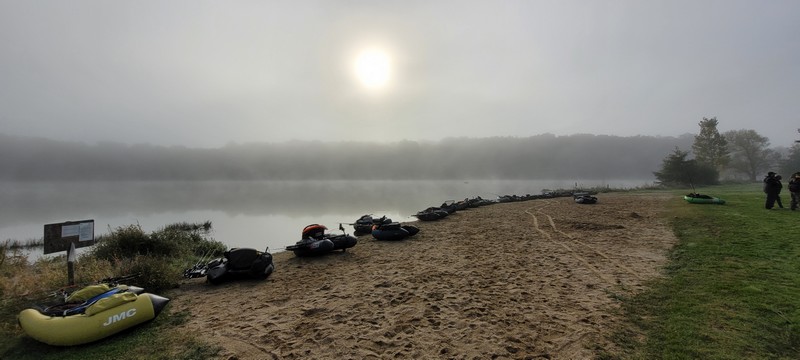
160, 257
152, 272
676, 170
176, 241
124, 241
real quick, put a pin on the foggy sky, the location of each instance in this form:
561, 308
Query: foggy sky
209, 73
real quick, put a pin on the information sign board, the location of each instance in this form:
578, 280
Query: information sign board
59, 236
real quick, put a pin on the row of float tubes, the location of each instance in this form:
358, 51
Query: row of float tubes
316, 242
247, 262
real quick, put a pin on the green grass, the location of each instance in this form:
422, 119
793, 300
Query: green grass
732, 289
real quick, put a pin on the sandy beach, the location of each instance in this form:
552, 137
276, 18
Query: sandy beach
524, 280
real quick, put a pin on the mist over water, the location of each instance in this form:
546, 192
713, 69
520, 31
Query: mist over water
254, 214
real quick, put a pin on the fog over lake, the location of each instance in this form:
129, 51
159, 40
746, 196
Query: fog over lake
254, 214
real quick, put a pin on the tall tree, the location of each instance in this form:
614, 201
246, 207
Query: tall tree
791, 164
676, 170
750, 153
710, 147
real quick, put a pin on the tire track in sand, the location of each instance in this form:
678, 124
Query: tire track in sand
572, 239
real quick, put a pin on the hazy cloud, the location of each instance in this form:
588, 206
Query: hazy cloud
204, 73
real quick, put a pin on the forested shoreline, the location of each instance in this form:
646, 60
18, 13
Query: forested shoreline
544, 156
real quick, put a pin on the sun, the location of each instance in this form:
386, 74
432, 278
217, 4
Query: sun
373, 68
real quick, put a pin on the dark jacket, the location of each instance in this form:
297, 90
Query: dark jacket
794, 185
772, 185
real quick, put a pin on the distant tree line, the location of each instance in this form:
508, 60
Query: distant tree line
546, 156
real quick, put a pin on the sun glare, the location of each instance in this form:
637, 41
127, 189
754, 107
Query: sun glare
373, 68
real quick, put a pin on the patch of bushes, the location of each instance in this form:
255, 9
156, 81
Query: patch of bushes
160, 257
151, 272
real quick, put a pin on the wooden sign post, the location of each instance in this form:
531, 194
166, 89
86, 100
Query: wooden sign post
68, 236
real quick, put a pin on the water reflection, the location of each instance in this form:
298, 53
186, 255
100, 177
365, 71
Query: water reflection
252, 214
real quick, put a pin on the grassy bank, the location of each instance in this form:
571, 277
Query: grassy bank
733, 284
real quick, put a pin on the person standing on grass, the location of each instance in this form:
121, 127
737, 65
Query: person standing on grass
772, 189
779, 187
794, 190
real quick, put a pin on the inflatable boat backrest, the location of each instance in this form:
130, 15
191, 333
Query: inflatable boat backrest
381, 220
110, 302
80, 307
314, 231
365, 219
260, 263
241, 258
390, 226
88, 292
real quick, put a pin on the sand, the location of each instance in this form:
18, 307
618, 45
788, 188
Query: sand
537, 279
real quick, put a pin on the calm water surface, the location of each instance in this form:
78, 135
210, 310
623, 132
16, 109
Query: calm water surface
256, 214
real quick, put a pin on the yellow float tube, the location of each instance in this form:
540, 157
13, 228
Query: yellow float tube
105, 317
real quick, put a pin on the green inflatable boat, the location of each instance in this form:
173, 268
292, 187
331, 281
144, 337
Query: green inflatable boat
703, 199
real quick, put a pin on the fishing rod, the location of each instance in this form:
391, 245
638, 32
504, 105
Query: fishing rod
199, 268
342, 228
64, 292
203, 258
353, 223
118, 279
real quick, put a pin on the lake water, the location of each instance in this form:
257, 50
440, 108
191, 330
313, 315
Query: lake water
255, 214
